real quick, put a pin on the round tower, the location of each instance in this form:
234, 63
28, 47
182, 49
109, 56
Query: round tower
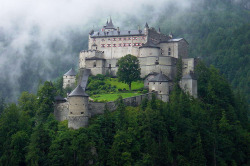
69, 79
78, 108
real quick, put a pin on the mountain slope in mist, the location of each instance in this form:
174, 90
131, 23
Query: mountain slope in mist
217, 31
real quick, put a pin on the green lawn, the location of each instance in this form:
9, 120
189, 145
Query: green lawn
112, 97
120, 85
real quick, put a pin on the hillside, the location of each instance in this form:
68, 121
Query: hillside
210, 130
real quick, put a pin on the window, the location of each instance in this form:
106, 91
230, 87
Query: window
108, 45
120, 45
156, 62
129, 44
114, 45
134, 38
102, 45
169, 51
124, 45
94, 39
94, 64
120, 38
81, 112
109, 65
109, 39
124, 38
129, 38
68, 81
114, 39
103, 39
71, 113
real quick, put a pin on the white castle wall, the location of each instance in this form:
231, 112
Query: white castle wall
189, 86
118, 46
188, 65
69, 81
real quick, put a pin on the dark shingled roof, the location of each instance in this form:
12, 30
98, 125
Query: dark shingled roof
160, 78
78, 91
118, 33
149, 44
71, 72
110, 25
59, 98
190, 75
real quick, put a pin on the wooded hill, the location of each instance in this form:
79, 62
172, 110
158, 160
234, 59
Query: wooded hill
210, 130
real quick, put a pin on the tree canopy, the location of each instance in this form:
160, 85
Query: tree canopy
129, 69
210, 130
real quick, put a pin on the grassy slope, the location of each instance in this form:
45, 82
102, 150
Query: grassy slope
112, 97
119, 85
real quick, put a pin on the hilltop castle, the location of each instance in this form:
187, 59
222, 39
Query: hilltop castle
157, 53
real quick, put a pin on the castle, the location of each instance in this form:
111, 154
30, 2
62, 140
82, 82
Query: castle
157, 53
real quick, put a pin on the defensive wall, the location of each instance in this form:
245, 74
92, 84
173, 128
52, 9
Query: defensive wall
61, 110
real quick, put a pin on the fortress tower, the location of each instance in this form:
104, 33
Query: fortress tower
78, 108
69, 79
161, 83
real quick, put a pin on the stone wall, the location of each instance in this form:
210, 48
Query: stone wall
75, 122
98, 108
188, 65
88, 54
118, 46
61, 111
189, 86
69, 81
183, 48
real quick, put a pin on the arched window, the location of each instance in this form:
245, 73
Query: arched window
94, 64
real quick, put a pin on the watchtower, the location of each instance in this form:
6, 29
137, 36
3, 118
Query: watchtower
160, 83
69, 79
78, 108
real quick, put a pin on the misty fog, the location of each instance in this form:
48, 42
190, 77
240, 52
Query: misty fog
40, 40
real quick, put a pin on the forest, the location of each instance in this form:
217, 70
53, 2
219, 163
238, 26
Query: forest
210, 130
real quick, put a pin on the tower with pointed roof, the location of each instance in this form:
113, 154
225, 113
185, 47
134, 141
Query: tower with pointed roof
78, 108
69, 79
